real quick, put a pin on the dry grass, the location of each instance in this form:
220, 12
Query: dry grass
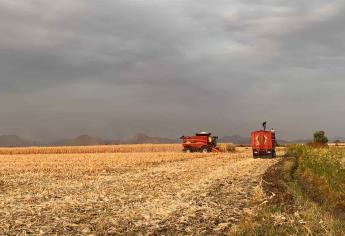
227, 147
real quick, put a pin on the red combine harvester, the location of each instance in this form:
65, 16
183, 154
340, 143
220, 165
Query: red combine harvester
264, 142
201, 142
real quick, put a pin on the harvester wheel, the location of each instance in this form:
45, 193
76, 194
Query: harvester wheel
204, 150
274, 154
188, 150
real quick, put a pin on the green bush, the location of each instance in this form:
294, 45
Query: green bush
320, 137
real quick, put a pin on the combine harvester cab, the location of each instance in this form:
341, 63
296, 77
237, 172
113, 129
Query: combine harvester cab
264, 143
201, 142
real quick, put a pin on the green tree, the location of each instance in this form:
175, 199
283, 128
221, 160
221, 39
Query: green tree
320, 137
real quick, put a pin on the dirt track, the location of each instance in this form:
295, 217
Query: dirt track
199, 194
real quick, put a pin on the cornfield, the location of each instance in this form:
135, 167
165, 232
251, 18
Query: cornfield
93, 149
132, 148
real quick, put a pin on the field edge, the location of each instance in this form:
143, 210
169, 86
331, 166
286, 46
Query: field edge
287, 209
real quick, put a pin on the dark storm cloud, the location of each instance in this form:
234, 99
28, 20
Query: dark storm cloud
115, 68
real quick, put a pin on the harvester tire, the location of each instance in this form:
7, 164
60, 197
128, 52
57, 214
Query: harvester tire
274, 154
204, 150
188, 150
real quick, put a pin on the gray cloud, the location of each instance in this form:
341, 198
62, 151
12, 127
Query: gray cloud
115, 68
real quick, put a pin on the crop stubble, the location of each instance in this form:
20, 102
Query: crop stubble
149, 193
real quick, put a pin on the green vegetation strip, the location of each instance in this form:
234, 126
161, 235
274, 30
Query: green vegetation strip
305, 195
321, 174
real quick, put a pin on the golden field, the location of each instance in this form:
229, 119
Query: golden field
93, 149
132, 148
125, 193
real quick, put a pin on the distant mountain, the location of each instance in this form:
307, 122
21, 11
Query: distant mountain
235, 139
297, 141
82, 140
15, 141
60, 142
143, 138
341, 139
86, 140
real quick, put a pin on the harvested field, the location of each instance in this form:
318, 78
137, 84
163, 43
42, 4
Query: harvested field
126, 193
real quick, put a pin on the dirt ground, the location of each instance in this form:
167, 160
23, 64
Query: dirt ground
139, 193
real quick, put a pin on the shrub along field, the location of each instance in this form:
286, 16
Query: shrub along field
321, 173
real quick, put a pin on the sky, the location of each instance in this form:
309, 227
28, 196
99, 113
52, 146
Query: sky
170, 67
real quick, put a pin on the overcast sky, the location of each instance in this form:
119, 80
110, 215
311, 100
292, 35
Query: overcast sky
114, 68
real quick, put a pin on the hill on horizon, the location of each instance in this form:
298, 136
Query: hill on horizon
82, 140
15, 141
144, 139
86, 140
235, 139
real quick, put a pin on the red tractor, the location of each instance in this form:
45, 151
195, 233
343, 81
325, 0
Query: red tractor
264, 142
201, 142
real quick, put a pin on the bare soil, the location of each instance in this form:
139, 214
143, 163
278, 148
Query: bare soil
275, 185
148, 193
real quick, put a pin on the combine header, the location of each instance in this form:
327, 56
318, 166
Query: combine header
264, 142
201, 142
